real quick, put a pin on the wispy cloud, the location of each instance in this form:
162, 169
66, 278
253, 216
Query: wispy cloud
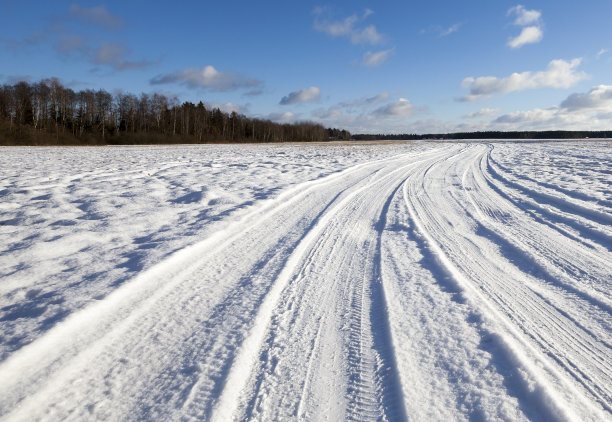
329, 113
373, 59
441, 31
97, 15
531, 22
72, 43
113, 55
18, 45
366, 101
253, 92
116, 56
208, 78
483, 112
349, 28
559, 74
451, 29
601, 53
301, 96
286, 117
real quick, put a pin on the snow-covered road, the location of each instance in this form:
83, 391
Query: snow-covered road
379, 282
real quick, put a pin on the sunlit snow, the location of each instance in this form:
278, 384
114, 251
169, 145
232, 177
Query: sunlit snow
391, 281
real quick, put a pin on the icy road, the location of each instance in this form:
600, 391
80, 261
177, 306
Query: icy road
371, 282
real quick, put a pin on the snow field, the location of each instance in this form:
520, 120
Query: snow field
370, 282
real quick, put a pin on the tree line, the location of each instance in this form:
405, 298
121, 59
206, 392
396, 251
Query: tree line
548, 134
47, 112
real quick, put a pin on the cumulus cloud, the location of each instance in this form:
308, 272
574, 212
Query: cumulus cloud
208, 78
580, 111
349, 28
97, 15
371, 59
599, 97
399, 108
483, 112
301, 96
558, 74
528, 35
523, 16
530, 20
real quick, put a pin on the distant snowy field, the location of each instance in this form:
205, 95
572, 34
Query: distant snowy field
393, 281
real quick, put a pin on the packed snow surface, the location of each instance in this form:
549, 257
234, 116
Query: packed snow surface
420, 281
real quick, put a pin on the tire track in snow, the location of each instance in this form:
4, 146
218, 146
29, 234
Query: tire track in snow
469, 279
570, 206
364, 365
587, 231
581, 331
50, 357
542, 252
573, 194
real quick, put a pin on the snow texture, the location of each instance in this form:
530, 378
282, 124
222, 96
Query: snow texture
394, 281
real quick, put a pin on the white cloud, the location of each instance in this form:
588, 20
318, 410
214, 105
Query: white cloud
349, 28
580, 111
399, 108
551, 118
483, 112
209, 78
601, 53
375, 59
530, 20
523, 16
559, 74
301, 96
599, 98
528, 35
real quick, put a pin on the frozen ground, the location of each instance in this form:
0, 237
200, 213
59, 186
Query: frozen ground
368, 282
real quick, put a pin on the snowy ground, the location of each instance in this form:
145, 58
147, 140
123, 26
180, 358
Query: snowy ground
419, 281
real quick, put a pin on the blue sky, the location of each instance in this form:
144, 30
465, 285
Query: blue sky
369, 67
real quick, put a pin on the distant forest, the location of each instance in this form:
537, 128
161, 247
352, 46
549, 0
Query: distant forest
549, 134
47, 113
